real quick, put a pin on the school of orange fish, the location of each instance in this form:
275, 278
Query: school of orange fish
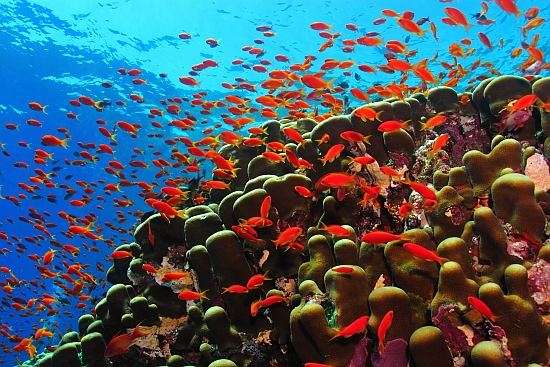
305, 88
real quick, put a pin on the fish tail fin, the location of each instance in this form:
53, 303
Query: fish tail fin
64, 143
137, 333
203, 295
468, 26
330, 83
378, 114
44, 109
442, 260
381, 347
422, 33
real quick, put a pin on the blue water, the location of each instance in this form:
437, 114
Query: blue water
54, 51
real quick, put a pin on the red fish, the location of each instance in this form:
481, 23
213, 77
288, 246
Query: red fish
303, 191
367, 113
356, 327
423, 190
383, 329
121, 255
315, 82
485, 40
410, 26
236, 288
332, 153
509, 6
355, 137
168, 277
433, 122
319, 26
458, 17
438, 144
287, 236
37, 107
120, 344
481, 307
382, 237
257, 280
192, 295
392, 125
424, 253
335, 230
52, 141
271, 300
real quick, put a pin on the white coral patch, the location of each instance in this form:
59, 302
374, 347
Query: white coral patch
537, 170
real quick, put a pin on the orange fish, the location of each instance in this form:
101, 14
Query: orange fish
192, 296
257, 280
382, 237
168, 277
121, 254
332, 153
509, 6
482, 308
335, 180
236, 288
355, 137
356, 327
274, 157
359, 94
364, 160
187, 80
423, 190
410, 26
271, 300
367, 113
52, 141
315, 82
255, 307
37, 107
319, 26
424, 75
335, 229
287, 236
390, 126
433, 28
438, 144
149, 268
485, 40
424, 253
535, 53
532, 12
294, 135
48, 257
405, 210
532, 24
522, 103
120, 344
433, 122
266, 205
383, 329
303, 191
458, 17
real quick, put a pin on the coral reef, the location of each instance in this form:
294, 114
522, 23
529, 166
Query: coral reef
278, 271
